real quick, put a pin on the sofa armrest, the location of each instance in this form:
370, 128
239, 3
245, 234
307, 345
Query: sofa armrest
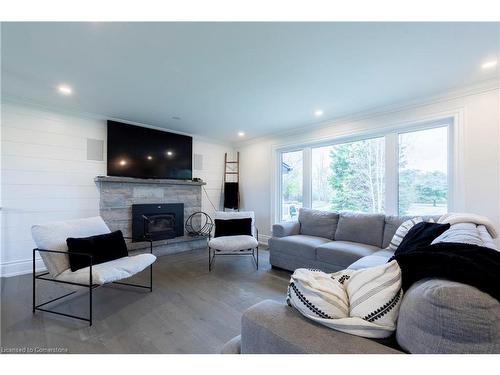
272, 327
286, 229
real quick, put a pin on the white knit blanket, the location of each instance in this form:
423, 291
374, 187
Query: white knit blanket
456, 218
363, 302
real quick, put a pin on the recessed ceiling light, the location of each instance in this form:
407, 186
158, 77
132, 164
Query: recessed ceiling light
241, 134
318, 113
489, 64
170, 153
64, 89
149, 157
123, 162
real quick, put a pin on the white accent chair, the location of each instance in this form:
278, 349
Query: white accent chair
50, 240
237, 244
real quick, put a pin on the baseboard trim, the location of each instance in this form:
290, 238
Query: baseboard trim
21, 267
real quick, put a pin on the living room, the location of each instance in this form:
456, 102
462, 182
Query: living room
250, 187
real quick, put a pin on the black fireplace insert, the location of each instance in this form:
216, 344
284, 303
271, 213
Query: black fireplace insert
159, 221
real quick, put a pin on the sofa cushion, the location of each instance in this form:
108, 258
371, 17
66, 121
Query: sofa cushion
343, 253
376, 259
318, 223
440, 316
367, 262
386, 253
299, 245
358, 227
270, 327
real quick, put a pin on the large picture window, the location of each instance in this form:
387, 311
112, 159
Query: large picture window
401, 172
349, 176
423, 172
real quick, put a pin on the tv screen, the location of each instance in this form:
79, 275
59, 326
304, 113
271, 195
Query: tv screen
134, 151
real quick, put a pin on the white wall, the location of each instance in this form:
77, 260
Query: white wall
212, 172
477, 162
46, 175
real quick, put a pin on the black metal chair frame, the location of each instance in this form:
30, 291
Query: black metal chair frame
90, 286
254, 253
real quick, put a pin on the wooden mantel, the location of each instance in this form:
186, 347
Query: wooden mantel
147, 181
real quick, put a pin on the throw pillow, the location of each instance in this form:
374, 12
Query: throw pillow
402, 231
461, 233
103, 248
233, 227
421, 235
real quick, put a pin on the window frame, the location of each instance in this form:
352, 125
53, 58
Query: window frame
279, 211
391, 143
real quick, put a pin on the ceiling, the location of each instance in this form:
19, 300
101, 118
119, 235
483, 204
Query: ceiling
215, 79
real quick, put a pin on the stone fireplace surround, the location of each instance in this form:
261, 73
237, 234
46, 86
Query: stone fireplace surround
118, 194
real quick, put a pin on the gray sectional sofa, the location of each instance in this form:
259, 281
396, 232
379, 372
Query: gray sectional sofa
333, 241
436, 316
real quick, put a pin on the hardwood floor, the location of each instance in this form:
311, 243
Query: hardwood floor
190, 309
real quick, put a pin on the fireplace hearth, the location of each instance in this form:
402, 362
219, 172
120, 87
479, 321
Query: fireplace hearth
159, 221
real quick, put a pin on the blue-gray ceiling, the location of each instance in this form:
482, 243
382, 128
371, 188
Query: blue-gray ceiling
220, 78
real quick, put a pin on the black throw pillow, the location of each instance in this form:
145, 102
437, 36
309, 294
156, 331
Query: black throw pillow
420, 235
103, 248
233, 227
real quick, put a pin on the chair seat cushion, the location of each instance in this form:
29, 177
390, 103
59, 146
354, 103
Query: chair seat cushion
343, 253
299, 245
108, 272
233, 243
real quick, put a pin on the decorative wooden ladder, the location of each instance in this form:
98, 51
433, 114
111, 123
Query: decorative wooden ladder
232, 173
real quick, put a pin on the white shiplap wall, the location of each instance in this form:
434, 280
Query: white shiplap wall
212, 172
46, 175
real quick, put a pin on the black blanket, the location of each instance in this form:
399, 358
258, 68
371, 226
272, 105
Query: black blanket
468, 264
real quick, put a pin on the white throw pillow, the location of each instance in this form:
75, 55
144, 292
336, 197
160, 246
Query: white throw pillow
468, 233
402, 231
363, 303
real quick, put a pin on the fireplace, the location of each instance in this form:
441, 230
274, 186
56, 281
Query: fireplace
159, 221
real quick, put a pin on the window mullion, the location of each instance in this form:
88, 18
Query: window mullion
391, 174
307, 178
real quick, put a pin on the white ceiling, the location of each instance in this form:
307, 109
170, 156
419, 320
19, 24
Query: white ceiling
220, 78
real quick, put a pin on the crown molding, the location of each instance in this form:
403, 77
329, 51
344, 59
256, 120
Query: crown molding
475, 89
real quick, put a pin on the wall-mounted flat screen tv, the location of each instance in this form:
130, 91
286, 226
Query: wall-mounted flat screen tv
135, 151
